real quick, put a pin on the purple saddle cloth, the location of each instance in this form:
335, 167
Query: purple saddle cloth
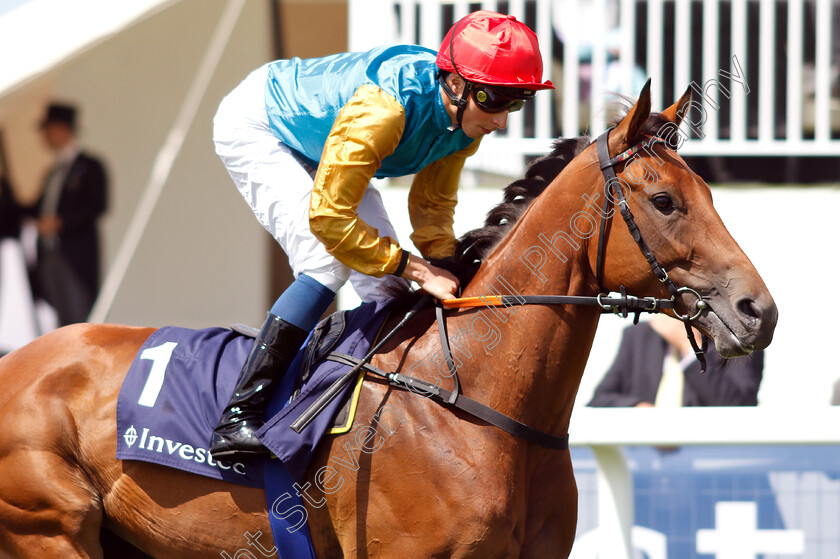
181, 380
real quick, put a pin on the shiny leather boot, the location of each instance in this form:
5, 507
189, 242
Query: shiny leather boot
273, 351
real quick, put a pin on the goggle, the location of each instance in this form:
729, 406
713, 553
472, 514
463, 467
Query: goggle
494, 101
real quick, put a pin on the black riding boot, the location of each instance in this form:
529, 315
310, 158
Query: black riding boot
273, 351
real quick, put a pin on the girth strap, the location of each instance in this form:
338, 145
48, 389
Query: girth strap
461, 402
447, 353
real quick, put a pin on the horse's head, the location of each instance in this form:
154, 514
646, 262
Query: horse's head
673, 209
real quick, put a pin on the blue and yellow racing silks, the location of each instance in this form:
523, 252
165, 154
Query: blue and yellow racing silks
356, 116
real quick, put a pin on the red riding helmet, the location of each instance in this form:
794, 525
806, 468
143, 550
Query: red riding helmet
493, 49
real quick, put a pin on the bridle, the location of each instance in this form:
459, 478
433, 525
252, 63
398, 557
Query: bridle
613, 187
625, 303
622, 305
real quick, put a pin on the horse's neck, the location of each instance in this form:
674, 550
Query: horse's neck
534, 371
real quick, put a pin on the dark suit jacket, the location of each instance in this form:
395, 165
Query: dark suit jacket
11, 213
82, 201
634, 376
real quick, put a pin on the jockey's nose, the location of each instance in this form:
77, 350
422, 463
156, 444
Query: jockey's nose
500, 120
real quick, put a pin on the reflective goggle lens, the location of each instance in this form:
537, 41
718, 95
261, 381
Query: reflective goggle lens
494, 102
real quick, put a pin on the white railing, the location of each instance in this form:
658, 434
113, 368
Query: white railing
761, 93
607, 430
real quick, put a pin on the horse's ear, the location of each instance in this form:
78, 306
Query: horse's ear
628, 129
676, 112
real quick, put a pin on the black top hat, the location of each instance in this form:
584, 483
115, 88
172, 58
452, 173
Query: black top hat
58, 112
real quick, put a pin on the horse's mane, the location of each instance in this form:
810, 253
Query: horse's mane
477, 244
474, 246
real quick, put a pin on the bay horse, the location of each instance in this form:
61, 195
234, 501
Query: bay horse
441, 484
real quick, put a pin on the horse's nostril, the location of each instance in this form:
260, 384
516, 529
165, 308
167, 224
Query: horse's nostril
748, 308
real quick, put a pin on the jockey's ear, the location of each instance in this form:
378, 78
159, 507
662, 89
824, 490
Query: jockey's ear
628, 129
455, 82
676, 112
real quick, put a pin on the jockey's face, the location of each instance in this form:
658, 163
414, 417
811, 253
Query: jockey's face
475, 122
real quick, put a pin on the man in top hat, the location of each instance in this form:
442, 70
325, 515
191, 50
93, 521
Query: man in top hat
72, 200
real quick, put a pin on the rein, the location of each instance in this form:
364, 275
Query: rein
619, 305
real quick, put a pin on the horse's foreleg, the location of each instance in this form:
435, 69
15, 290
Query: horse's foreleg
552, 506
46, 508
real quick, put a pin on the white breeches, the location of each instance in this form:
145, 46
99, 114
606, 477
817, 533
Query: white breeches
277, 187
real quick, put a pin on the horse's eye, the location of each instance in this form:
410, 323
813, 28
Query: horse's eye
663, 203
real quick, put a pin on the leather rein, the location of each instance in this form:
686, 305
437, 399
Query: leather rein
621, 305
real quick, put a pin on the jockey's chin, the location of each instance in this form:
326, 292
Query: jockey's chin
477, 123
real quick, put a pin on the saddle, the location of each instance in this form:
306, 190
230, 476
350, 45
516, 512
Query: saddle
181, 379
322, 341
348, 332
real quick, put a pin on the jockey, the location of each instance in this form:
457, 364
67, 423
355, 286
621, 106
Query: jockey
302, 140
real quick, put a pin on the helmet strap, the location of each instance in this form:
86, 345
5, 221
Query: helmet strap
465, 95
461, 102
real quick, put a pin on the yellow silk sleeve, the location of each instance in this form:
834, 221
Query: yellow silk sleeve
367, 129
431, 204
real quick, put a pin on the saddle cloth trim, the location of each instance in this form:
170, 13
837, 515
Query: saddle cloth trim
357, 390
354, 402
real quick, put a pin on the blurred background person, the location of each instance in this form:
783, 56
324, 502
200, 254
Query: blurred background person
11, 213
18, 324
73, 198
655, 366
